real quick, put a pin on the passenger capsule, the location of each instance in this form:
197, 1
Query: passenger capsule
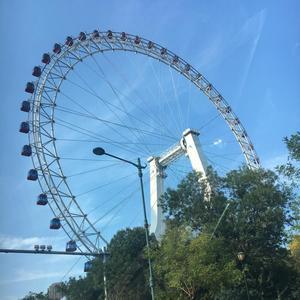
96, 34
82, 36
25, 106
46, 58
55, 223
42, 199
150, 45
29, 87
32, 175
198, 76
228, 109
24, 127
236, 121
69, 41
42, 247
123, 36
163, 51
187, 68
56, 48
219, 99
208, 88
26, 150
137, 40
36, 71
71, 246
88, 266
175, 59
109, 34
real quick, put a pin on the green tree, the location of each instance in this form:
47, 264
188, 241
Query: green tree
126, 271
189, 267
254, 223
291, 173
81, 288
36, 296
126, 268
292, 169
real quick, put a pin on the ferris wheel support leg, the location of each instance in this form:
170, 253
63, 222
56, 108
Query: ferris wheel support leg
156, 190
193, 149
191, 144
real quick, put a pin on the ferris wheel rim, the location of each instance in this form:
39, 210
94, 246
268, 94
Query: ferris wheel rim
116, 43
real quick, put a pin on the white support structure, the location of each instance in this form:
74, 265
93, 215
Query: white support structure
156, 190
190, 146
193, 149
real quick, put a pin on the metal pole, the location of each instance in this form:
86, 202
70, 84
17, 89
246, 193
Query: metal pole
146, 228
245, 280
49, 252
104, 273
101, 151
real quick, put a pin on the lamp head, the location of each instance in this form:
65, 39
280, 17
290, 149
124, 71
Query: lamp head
99, 151
241, 256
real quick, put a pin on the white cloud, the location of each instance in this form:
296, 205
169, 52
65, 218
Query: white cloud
15, 242
272, 162
25, 275
251, 30
217, 142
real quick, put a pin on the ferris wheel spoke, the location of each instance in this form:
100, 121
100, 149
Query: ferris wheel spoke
123, 143
112, 111
154, 117
115, 107
138, 213
210, 121
188, 106
92, 170
85, 159
176, 98
103, 185
116, 206
118, 212
166, 99
175, 173
93, 117
226, 155
89, 133
118, 94
209, 144
117, 193
220, 166
122, 109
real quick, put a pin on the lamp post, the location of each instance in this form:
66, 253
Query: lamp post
101, 151
241, 257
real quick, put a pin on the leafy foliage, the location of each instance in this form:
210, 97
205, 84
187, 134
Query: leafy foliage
254, 223
193, 268
127, 268
81, 288
36, 296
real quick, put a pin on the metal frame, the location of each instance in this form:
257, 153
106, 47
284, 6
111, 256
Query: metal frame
42, 118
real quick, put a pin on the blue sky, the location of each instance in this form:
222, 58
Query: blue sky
250, 51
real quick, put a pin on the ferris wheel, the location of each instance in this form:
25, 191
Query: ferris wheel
136, 99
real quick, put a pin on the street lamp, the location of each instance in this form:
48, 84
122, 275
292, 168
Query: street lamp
101, 151
241, 257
